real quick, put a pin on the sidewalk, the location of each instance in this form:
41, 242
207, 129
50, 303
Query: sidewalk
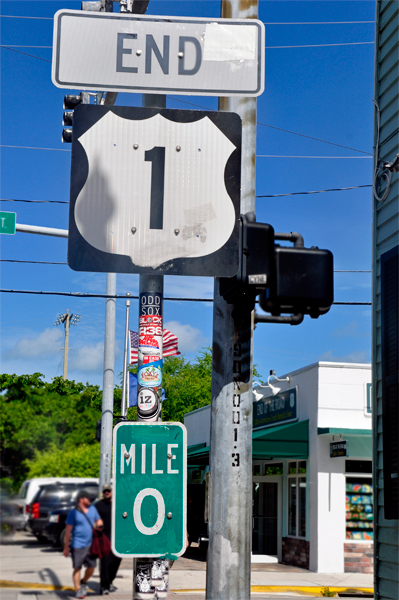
31, 571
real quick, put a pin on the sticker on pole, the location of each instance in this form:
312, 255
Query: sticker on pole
155, 191
149, 506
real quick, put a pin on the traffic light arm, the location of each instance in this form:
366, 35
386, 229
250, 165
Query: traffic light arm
290, 320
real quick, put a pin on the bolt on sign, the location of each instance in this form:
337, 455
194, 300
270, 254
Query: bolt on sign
161, 55
155, 191
150, 477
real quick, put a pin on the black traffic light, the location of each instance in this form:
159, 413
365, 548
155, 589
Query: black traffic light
70, 103
303, 282
256, 267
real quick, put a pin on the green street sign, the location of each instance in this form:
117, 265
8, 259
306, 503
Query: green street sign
7, 222
150, 481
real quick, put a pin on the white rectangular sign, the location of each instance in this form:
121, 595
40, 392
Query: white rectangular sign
168, 55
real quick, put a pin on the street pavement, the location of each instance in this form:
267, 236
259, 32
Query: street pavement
33, 571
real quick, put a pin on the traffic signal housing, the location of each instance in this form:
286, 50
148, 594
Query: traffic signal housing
70, 103
289, 280
303, 282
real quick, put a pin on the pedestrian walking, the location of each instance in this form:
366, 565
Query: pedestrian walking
109, 565
78, 535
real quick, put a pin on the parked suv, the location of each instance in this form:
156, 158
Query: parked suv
55, 497
30, 487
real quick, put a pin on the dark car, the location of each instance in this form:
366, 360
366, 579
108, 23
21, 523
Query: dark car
55, 497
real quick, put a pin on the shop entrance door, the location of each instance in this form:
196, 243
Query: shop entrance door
266, 516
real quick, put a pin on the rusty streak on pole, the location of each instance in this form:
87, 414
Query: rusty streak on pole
230, 502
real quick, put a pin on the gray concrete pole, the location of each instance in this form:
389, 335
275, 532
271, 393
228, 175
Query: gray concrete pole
66, 346
108, 382
230, 502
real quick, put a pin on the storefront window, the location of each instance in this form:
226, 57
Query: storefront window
302, 507
359, 508
292, 506
302, 466
274, 469
297, 499
256, 470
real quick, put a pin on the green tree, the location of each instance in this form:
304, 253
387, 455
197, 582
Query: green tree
38, 417
82, 461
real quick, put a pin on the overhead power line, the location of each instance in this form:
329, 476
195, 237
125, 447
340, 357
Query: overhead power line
356, 187
25, 53
257, 156
320, 45
35, 201
123, 297
46, 262
265, 23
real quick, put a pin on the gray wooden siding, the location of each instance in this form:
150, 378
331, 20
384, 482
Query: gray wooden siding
386, 236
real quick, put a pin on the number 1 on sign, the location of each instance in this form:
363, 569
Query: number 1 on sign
157, 157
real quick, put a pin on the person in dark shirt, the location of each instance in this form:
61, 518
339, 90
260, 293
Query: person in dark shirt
110, 564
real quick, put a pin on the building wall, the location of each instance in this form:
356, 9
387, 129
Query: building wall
385, 237
329, 395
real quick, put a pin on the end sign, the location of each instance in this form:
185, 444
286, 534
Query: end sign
149, 507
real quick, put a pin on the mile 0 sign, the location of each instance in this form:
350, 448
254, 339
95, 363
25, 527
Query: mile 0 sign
150, 475
155, 191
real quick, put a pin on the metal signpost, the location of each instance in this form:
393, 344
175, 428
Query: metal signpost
149, 509
174, 211
162, 55
8, 222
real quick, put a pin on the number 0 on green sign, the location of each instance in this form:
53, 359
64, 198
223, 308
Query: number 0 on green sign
149, 473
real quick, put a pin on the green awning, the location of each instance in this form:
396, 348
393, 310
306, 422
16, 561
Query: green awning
342, 431
290, 440
282, 441
198, 455
359, 440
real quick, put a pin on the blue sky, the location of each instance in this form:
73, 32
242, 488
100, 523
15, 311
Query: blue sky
318, 83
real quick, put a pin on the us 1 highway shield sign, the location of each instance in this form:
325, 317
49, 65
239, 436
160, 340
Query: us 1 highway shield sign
155, 191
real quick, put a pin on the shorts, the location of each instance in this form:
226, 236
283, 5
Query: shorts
81, 557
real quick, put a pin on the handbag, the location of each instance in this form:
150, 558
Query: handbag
100, 544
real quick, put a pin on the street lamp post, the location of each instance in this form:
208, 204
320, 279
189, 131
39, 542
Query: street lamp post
67, 319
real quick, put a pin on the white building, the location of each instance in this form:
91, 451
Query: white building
312, 501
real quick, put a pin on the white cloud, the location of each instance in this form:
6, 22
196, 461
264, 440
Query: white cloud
87, 358
190, 338
360, 356
351, 330
49, 341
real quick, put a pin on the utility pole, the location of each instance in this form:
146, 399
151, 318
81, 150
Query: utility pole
230, 503
107, 409
125, 385
67, 319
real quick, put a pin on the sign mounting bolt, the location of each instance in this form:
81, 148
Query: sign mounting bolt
170, 455
133, 230
178, 148
177, 231
135, 146
169, 516
127, 455
180, 55
139, 52
124, 515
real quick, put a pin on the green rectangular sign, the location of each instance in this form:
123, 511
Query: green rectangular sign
7, 222
275, 410
150, 482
